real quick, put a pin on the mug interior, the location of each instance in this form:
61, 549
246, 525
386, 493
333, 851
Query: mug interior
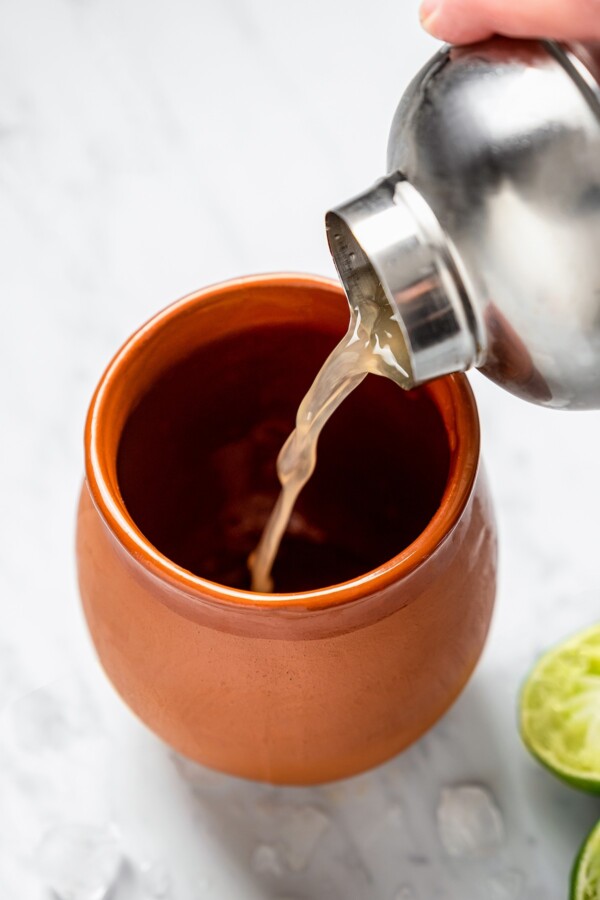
196, 462
204, 397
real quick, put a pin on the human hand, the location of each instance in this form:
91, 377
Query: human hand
465, 21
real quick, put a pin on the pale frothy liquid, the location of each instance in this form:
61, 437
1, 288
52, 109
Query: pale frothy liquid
373, 343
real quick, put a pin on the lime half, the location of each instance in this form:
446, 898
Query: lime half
585, 882
560, 710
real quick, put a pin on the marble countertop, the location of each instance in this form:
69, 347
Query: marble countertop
147, 149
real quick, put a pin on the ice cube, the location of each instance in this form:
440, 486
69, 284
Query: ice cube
299, 832
394, 816
155, 879
405, 893
469, 821
79, 862
49, 718
266, 861
506, 885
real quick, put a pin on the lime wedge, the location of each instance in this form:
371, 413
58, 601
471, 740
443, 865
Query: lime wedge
560, 710
585, 881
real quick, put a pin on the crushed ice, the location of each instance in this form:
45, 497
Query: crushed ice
266, 861
86, 862
469, 821
506, 885
299, 833
155, 879
405, 893
79, 862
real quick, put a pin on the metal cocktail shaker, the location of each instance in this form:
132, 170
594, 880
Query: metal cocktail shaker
484, 239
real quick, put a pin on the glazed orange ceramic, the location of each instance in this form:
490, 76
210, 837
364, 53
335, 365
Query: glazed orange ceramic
386, 578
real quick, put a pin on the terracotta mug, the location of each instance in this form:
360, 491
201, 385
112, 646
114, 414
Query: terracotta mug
386, 579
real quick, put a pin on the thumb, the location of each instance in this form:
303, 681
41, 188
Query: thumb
464, 21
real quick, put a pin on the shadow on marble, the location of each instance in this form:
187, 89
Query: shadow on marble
373, 836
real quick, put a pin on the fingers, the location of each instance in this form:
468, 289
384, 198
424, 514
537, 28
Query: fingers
464, 21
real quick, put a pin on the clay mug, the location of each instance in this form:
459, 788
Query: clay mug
386, 579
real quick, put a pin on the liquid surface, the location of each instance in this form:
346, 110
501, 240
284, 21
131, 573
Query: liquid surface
373, 343
196, 460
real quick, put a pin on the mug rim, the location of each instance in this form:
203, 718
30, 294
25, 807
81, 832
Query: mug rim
109, 503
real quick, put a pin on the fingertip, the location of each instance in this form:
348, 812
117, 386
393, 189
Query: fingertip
430, 25
469, 21
443, 21
429, 14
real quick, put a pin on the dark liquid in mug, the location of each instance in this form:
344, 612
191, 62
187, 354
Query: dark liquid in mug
196, 464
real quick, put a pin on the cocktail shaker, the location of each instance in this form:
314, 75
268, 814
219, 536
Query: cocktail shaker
484, 238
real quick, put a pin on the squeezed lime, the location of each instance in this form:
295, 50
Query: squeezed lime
585, 881
560, 711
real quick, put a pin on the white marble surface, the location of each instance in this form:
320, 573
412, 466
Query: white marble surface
146, 149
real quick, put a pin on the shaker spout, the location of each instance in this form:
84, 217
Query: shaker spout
388, 248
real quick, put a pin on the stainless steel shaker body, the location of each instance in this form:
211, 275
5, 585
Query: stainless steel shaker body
484, 238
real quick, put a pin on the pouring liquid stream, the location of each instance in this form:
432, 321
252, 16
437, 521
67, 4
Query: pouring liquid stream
373, 343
